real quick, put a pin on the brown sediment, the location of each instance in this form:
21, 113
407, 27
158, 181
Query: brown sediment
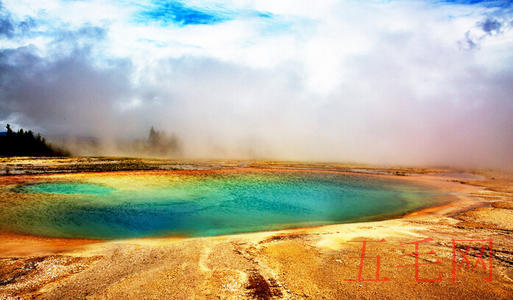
19, 244
314, 262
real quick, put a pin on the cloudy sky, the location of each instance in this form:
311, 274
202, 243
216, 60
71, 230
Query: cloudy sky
395, 82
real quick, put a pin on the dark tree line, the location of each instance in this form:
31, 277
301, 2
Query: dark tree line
25, 143
161, 144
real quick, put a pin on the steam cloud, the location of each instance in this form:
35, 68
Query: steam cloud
361, 82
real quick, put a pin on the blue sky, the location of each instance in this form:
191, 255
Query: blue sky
488, 3
179, 13
286, 79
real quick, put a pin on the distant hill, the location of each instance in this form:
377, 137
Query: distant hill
25, 143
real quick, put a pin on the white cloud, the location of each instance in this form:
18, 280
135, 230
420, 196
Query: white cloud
377, 81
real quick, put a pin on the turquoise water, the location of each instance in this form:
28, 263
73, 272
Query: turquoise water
68, 188
204, 205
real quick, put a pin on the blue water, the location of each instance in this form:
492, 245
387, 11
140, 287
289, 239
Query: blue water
206, 205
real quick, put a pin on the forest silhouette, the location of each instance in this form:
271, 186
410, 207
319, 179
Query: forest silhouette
25, 143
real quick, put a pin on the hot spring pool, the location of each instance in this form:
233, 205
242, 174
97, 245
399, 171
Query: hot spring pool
200, 203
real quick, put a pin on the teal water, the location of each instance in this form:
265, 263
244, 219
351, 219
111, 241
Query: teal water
205, 205
68, 188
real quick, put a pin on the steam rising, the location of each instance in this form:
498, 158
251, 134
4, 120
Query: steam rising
396, 84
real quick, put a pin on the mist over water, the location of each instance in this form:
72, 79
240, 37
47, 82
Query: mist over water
401, 82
